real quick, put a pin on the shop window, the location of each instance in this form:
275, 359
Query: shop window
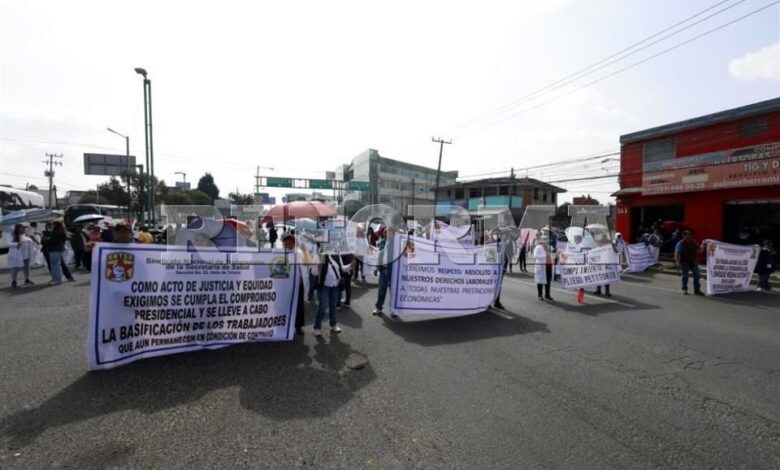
503, 191
658, 151
536, 194
490, 191
544, 196
753, 128
458, 194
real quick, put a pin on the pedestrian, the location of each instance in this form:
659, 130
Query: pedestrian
620, 247
144, 236
272, 234
522, 257
34, 234
299, 256
603, 240
685, 254
765, 265
328, 281
505, 262
509, 251
77, 242
20, 252
385, 267
123, 233
93, 237
106, 234
543, 268
56, 249
347, 264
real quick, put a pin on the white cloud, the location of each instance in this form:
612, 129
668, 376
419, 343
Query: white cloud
763, 64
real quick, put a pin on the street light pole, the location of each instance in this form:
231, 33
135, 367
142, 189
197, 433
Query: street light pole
150, 202
438, 172
127, 153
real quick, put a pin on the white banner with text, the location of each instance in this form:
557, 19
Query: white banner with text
151, 301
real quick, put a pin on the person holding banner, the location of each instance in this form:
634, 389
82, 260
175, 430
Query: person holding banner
603, 241
765, 265
328, 282
385, 270
685, 254
288, 241
543, 268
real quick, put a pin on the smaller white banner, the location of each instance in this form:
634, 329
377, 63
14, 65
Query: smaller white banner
641, 256
595, 267
729, 267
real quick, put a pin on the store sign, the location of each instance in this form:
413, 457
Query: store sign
737, 168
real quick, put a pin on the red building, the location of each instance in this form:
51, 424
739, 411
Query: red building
718, 174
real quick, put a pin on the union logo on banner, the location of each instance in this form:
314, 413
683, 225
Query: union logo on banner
119, 266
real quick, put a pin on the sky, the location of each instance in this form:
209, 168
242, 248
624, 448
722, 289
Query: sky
304, 86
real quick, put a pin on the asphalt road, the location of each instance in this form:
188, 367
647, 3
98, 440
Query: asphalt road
647, 379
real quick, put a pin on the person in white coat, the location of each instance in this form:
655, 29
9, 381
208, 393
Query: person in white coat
20, 252
543, 268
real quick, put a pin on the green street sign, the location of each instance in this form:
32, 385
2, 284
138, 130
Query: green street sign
359, 185
320, 184
273, 182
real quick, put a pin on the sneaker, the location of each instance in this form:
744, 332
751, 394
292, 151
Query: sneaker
685, 291
598, 292
608, 294
13, 284
29, 283
338, 306
346, 304
335, 329
698, 292
317, 332
548, 298
55, 283
377, 311
758, 289
541, 298
71, 280
393, 315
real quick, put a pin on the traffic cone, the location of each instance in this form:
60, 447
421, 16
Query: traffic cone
581, 296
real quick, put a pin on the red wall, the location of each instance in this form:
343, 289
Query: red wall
704, 209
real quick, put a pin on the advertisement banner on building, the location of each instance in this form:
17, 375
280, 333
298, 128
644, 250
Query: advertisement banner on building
431, 279
729, 267
141, 307
595, 267
641, 256
745, 167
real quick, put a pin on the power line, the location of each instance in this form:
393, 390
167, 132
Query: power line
600, 64
616, 72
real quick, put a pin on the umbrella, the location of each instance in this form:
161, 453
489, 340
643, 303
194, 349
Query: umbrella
298, 210
88, 218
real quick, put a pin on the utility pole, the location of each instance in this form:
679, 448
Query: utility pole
438, 172
50, 173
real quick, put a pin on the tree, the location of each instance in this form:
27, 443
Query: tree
188, 198
241, 199
206, 185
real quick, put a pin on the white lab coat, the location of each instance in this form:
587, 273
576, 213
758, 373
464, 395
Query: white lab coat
540, 270
19, 252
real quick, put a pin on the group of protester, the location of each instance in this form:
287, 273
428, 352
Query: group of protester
30, 247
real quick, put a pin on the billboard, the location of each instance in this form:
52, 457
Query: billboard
737, 168
107, 164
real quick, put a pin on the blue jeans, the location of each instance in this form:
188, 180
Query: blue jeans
694, 267
763, 281
55, 259
328, 296
384, 284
